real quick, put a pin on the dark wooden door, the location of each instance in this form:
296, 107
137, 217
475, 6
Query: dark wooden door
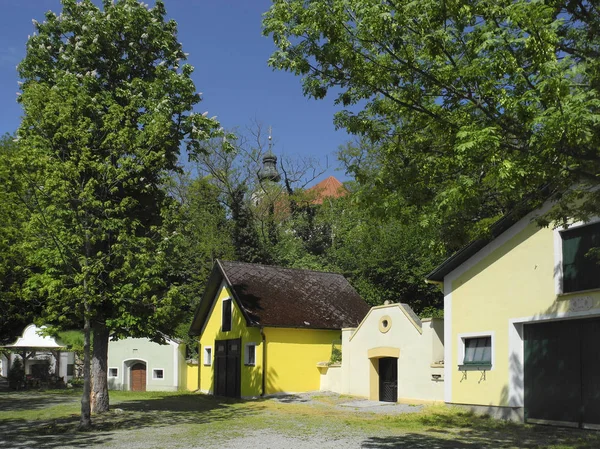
562, 372
138, 377
228, 367
388, 379
590, 374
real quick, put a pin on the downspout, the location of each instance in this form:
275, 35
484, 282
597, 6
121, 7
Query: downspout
264, 360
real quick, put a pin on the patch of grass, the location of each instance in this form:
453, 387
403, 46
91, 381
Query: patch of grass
193, 417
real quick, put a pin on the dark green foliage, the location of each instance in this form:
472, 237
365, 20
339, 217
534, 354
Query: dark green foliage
16, 374
474, 105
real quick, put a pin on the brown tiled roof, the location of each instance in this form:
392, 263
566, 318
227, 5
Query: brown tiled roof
285, 297
328, 188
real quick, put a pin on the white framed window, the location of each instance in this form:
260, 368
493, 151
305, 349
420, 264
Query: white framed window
113, 372
158, 373
575, 269
476, 351
207, 356
250, 354
226, 316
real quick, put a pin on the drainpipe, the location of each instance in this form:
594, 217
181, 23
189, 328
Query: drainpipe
264, 360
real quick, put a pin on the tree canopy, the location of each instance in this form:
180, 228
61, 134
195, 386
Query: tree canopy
108, 101
474, 105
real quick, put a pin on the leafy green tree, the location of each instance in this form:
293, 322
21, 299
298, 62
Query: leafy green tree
107, 102
17, 311
204, 235
385, 259
475, 105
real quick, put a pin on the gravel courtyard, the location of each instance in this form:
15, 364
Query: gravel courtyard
162, 420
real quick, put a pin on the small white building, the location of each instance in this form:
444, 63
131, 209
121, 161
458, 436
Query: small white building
139, 364
391, 356
43, 355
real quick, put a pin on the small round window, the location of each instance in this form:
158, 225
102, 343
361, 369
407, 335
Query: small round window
385, 323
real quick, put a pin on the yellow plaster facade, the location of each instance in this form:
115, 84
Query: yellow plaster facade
512, 281
291, 354
292, 357
251, 376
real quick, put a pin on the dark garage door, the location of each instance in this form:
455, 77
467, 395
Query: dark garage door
562, 372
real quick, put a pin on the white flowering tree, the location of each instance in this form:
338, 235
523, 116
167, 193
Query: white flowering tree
108, 103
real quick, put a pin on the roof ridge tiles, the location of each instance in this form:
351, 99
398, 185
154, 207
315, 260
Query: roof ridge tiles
278, 267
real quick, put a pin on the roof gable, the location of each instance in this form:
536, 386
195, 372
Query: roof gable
284, 297
328, 188
507, 222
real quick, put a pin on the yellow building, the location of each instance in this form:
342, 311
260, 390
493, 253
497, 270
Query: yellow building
262, 329
521, 322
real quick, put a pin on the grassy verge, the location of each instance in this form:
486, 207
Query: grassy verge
31, 415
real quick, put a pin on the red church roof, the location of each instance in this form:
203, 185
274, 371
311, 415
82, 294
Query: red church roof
328, 188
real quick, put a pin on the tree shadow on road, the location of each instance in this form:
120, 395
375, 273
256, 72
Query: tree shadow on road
126, 415
34, 400
466, 430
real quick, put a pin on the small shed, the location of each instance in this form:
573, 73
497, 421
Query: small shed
391, 356
139, 364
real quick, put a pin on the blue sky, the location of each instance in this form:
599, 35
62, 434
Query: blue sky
225, 45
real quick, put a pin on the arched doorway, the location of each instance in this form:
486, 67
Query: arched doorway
138, 377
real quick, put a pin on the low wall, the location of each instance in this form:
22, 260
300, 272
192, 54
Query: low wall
331, 378
191, 376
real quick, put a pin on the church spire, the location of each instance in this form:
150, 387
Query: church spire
269, 172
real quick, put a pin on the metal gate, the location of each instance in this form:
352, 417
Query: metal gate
562, 373
388, 379
227, 367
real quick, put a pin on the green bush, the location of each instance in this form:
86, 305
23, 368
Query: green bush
16, 374
77, 382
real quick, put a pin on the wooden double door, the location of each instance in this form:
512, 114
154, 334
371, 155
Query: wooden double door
562, 372
228, 367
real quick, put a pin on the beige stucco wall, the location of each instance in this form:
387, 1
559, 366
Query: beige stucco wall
513, 281
417, 347
170, 357
331, 378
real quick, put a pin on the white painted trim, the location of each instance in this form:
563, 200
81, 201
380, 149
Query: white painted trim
516, 357
214, 303
127, 370
175, 366
516, 367
108, 373
154, 372
461, 345
558, 253
499, 241
230, 314
246, 355
204, 356
448, 340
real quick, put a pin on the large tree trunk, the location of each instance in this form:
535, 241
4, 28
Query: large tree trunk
86, 420
99, 368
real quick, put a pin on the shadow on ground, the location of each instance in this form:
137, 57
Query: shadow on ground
125, 415
466, 430
35, 400
585, 440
